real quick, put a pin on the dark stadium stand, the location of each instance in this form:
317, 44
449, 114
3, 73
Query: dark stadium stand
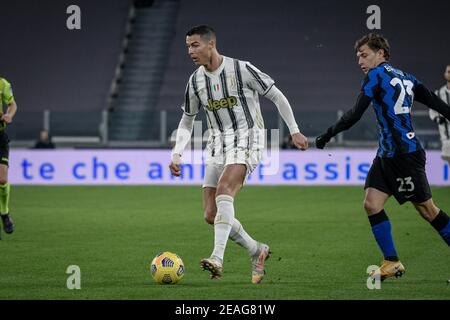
144, 65
307, 47
53, 68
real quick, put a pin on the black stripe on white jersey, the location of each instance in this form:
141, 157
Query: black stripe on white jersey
257, 77
223, 79
447, 129
445, 124
211, 98
447, 133
187, 100
195, 86
240, 90
207, 116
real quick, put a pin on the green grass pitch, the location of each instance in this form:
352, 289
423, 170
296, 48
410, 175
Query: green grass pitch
320, 237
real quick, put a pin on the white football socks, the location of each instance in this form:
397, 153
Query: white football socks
225, 225
242, 238
222, 224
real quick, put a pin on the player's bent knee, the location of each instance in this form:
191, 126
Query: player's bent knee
3, 181
225, 188
371, 207
427, 210
425, 214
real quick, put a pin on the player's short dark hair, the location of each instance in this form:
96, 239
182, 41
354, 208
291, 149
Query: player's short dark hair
203, 31
375, 42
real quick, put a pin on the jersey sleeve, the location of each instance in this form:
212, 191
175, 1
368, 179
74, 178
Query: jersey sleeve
370, 84
8, 96
414, 80
258, 80
350, 117
431, 100
191, 104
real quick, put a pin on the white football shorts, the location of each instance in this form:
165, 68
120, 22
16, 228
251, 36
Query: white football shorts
246, 149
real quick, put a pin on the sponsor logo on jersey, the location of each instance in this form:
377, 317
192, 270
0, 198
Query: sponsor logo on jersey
229, 102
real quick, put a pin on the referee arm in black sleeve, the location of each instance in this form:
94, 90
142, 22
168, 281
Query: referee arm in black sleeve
349, 118
431, 100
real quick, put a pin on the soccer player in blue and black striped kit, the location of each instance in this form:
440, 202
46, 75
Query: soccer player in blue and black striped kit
399, 167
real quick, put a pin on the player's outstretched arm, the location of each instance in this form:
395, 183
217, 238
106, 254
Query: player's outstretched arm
351, 117
9, 115
183, 137
285, 110
431, 100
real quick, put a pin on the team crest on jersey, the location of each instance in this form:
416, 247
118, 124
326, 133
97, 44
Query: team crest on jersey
216, 87
231, 82
229, 102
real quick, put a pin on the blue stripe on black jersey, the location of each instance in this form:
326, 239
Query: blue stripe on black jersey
370, 83
400, 122
396, 130
385, 140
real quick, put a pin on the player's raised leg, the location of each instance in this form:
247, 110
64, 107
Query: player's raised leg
8, 224
229, 184
374, 202
436, 217
258, 252
237, 233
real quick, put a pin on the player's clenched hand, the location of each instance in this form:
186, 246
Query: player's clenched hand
7, 118
300, 141
175, 169
322, 140
174, 166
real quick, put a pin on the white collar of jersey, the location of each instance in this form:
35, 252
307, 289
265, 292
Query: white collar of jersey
218, 70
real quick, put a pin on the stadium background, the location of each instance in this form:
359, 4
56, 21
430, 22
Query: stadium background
118, 84
133, 62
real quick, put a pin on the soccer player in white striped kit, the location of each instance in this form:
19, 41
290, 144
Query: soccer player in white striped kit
228, 91
444, 124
